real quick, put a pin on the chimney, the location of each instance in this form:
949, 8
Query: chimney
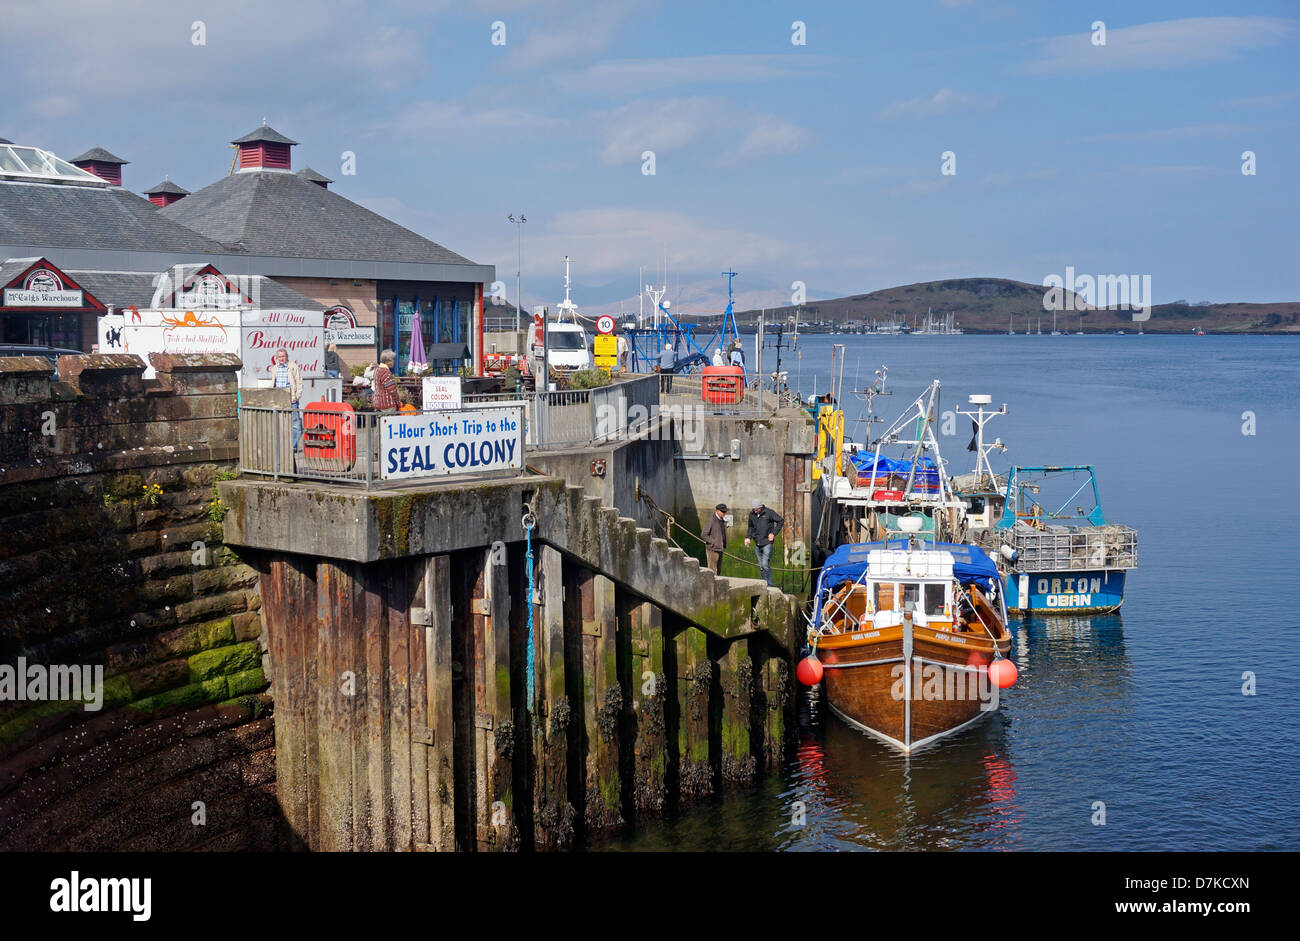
166, 193
100, 162
311, 176
264, 149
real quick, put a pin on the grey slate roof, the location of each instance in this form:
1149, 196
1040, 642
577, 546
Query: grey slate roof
264, 133
99, 154
166, 186
93, 217
269, 212
124, 288
307, 173
10, 268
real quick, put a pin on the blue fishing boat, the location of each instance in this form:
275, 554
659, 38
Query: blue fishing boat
1066, 559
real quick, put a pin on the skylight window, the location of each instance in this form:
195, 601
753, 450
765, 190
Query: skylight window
34, 163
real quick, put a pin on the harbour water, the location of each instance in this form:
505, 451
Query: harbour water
1144, 711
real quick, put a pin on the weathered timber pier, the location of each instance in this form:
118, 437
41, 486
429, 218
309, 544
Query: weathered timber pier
292, 664
397, 627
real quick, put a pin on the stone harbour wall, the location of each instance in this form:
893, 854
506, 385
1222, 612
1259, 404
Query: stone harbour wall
112, 563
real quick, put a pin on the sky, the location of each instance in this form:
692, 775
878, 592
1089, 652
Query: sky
792, 141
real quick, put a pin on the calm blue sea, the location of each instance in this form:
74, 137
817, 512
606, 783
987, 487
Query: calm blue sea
1142, 711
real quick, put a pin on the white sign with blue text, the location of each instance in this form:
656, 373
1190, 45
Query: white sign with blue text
466, 441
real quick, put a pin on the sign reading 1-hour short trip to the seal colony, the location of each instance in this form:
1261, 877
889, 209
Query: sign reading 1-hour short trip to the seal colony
467, 441
604, 324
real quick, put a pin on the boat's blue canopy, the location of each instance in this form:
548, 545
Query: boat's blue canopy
849, 561
926, 471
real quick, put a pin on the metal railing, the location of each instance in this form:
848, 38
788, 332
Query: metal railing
343, 447
1068, 548
339, 447
762, 394
575, 417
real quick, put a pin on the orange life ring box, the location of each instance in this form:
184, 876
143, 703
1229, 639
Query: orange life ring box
329, 436
723, 385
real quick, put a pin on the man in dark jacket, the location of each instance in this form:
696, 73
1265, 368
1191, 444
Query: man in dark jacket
715, 537
764, 524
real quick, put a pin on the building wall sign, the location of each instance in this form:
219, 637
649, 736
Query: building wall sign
341, 328
467, 441
209, 290
43, 288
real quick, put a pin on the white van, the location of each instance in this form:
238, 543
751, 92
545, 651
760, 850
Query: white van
567, 347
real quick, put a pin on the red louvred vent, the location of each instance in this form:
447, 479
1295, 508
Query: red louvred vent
105, 171
264, 154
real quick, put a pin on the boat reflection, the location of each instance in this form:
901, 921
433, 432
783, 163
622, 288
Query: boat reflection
962, 792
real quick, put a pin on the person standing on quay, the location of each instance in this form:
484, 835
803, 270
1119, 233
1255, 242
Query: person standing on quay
332, 361
715, 537
385, 397
288, 375
667, 366
764, 524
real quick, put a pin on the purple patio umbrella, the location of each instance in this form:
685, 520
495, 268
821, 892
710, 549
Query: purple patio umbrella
417, 340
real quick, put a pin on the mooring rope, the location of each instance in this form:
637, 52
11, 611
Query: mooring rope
529, 522
670, 521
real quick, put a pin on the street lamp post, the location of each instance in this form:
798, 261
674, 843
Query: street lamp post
519, 255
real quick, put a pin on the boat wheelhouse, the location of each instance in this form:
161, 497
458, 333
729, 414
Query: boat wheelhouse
905, 633
871, 496
1059, 560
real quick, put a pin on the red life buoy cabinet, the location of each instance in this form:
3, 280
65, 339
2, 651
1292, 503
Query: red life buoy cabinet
723, 385
329, 436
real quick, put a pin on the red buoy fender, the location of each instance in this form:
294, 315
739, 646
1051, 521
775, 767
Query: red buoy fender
809, 671
1003, 673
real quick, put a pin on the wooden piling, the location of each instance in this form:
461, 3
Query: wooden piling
648, 687
602, 703
438, 660
694, 687
552, 811
777, 700
493, 722
736, 679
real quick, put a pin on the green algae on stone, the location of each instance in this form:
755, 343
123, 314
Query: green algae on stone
224, 661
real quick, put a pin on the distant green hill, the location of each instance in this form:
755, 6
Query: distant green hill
986, 305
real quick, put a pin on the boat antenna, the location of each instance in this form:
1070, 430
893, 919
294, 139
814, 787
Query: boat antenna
979, 417
567, 306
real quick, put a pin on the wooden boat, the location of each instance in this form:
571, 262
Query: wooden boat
905, 632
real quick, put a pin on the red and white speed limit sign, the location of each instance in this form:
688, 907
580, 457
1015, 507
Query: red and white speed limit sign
605, 323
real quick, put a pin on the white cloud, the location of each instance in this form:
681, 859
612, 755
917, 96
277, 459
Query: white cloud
942, 102
580, 33
636, 76
673, 124
1217, 131
773, 135
1168, 44
438, 119
1274, 100
661, 126
252, 50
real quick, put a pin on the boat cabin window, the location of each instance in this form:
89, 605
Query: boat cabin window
933, 600
911, 595
884, 596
